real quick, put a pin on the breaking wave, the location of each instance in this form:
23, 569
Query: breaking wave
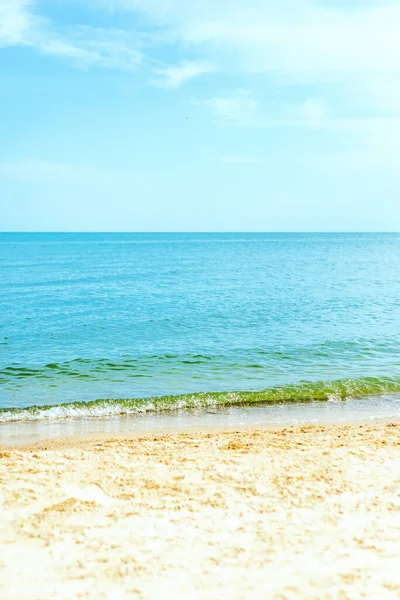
304, 392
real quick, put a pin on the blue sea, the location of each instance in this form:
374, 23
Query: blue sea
115, 324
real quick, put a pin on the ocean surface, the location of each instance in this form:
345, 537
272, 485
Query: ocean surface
117, 324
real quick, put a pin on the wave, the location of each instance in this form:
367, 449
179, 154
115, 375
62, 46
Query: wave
304, 392
85, 368
147, 365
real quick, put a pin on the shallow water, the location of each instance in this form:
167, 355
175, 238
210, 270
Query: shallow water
372, 408
137, 316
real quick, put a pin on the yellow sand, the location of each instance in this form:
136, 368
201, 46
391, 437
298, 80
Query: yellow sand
311, 512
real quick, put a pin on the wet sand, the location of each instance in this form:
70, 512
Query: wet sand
306, 512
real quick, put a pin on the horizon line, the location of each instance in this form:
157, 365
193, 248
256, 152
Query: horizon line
217, 232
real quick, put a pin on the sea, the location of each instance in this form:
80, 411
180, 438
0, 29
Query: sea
98, 326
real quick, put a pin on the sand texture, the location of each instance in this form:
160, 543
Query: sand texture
311, 512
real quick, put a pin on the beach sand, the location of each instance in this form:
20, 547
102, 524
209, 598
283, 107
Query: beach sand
307, 512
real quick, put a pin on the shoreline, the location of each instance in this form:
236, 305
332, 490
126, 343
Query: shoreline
311, 511
357, 410
80, 440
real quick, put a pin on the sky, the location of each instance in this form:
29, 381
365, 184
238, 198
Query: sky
199, 115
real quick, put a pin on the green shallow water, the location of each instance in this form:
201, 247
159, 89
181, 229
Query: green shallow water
302, 393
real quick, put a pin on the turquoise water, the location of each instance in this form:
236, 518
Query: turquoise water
145, 322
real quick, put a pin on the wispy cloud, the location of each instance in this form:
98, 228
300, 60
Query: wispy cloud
353, 47
89, 46
174, 76
236, 106
302, 40
84, 46
300, 35
351, 53
17, 22
315, 42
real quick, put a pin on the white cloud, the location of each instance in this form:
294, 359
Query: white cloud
84, 46
174, 76
291, 36
242, 106
299, 39
17, 21
354, 46
88, 46
235, 106
317, 43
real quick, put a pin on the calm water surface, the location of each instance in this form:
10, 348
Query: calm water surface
85, 317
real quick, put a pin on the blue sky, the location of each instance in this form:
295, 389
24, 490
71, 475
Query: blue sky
199, 115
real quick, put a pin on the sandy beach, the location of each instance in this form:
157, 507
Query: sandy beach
307, 512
